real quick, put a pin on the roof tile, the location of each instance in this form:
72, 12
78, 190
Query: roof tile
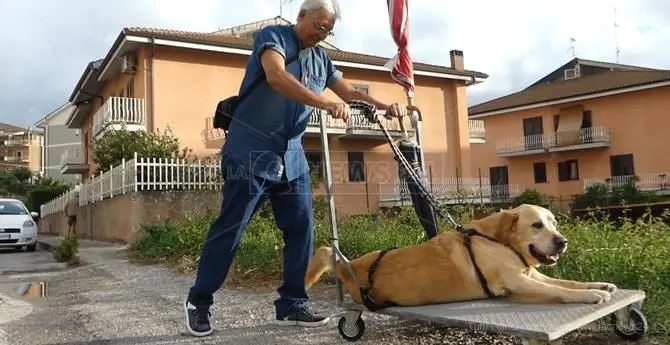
246, 43
595, 83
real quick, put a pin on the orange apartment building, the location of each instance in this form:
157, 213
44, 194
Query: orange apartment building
20, 148
153, 78
585, 122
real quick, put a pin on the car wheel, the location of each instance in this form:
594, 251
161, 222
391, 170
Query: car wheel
32, 247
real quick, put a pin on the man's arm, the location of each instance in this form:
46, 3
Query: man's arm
346, 92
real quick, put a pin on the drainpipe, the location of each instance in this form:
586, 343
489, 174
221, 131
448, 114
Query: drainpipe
152, 107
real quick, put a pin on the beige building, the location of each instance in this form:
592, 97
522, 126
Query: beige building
20, 147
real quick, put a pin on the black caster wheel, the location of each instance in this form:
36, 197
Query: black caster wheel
351, 333
635, 329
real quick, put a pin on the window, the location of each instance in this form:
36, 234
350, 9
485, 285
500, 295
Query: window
568, 170
356, 167
315, 162
362, 88
622, 165
556, 121
130, 88
540, 169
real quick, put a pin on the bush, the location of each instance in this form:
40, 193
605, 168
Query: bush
632, 256
530, 196
67, 251
115, 145
42, 194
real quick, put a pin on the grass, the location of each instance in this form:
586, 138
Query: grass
630, 254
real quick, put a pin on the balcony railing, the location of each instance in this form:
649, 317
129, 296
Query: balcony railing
554, 142
452, 190
645, 182
72, 155
477, 130
120, 111
17, 142
15, 159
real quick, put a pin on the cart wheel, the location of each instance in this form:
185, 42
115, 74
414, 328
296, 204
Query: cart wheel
636, 328
351, 333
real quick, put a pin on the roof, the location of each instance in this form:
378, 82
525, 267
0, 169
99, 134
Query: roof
247, 43
41, 122
7, 128
587, 67
564, 89
248, 29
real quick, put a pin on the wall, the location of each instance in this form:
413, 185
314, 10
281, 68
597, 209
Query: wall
637, 122
100, 220
212, 76
59, 139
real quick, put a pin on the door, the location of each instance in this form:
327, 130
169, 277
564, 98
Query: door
499, 180
586, 130
533, 133
622, 170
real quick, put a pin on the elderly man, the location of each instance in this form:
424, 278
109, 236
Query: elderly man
263, 156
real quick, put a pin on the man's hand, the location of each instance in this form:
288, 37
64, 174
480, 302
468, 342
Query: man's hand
395, 110
338, 110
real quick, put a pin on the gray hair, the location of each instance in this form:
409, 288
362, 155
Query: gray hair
331, 6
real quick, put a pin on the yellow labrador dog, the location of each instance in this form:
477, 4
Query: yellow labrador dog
495, 256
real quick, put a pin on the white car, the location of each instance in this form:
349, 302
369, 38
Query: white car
17, 227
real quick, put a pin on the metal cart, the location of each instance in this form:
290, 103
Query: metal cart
535, 324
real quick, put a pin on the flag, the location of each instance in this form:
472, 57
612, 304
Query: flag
401, 67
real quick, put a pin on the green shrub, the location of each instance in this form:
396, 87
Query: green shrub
530, 196
632, 256
67, 251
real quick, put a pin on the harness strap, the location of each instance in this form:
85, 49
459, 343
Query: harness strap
368, 301
467, 240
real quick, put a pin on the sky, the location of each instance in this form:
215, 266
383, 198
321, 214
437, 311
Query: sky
45, 45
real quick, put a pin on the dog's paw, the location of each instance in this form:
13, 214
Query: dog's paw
597, 296
611, 288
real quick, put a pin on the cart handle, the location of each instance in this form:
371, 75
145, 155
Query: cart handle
369, 110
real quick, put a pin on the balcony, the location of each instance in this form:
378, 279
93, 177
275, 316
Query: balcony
17, 142
118, 113
477, 131
357, 126
585, 138
659, 182
450, 191
16, 159
73, 162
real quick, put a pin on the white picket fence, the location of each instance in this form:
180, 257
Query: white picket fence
142, 174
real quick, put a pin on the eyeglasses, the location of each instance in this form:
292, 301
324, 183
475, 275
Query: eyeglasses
323, 30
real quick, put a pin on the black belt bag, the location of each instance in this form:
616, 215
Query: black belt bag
225, 110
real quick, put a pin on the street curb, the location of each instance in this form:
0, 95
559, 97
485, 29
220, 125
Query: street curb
45, 246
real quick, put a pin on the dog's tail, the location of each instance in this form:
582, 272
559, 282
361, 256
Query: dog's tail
321, 262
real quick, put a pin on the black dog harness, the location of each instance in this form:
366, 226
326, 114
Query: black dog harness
467, 240
373, 306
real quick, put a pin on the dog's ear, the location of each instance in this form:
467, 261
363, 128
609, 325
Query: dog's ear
507, 220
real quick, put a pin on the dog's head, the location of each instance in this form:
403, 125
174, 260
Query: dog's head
531, 230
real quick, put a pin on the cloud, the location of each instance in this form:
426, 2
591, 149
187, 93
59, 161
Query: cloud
516, 42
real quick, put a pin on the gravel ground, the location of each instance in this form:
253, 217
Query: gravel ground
109, 301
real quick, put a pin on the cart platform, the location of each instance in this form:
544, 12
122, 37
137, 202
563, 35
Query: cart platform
536, 323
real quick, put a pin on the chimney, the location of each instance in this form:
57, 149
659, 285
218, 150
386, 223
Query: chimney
457, 60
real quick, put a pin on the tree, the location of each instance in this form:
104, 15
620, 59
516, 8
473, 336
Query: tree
115, 145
